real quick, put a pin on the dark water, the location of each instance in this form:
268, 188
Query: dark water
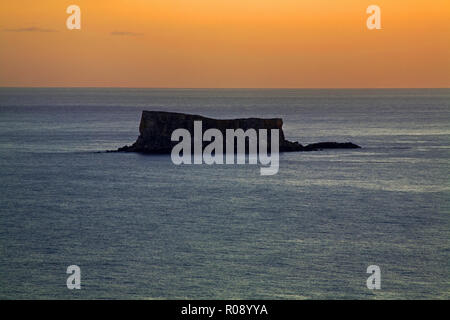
141, 227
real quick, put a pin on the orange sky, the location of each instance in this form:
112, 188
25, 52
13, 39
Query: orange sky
225, 43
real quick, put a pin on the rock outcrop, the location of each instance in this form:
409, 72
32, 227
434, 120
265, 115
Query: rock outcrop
156, 129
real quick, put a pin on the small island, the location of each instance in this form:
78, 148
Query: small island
156, 127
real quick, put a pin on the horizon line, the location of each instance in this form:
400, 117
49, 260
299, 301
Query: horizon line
219, 88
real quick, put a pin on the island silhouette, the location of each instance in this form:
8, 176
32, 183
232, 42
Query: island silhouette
156, 128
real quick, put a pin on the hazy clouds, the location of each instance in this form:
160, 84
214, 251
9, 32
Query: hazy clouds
126, 33
30, 29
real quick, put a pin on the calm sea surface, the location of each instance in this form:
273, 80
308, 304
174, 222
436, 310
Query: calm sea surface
140, 227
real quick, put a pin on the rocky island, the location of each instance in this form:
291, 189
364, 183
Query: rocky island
156, 127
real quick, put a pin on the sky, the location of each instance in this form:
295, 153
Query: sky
225, 44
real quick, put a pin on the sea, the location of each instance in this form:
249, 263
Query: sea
140, 227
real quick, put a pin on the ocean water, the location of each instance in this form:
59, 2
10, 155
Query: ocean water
140, 227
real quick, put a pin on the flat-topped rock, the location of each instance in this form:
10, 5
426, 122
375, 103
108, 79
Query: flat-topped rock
156, 127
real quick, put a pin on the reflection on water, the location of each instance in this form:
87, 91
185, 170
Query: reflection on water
140, 227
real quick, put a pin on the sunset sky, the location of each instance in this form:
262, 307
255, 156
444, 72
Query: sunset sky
225, 44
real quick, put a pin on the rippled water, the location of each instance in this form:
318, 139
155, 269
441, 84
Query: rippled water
141, 227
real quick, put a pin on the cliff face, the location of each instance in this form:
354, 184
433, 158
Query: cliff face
156, 129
